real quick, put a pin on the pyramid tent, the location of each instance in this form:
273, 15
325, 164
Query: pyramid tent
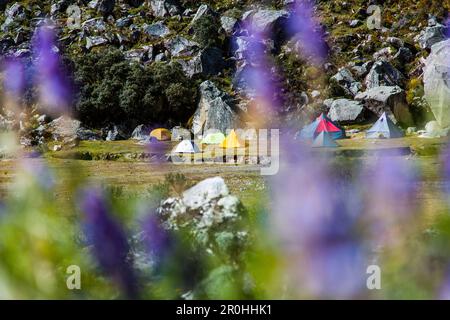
186, 146
232, 141
324, 140
213, 138
161, 134
322, 123
384, 128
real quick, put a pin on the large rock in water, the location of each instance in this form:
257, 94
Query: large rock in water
209, 213
215, 110
436, 78
347, 111
389, 99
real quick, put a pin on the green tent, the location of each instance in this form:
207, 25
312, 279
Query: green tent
213, 138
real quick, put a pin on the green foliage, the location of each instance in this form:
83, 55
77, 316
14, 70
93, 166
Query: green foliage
206, 31
113, 90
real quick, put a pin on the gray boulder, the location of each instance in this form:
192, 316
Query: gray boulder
207, 62
67, 130
116, 133
434, 130
229, 24
436, 78
180, 46
347, 111
383, 73
389, 99
266, 20
105, 7
179, 133
139, 55
141, 132
95, 41
215, 110
164, 8
124, 22
14, 13
431, 35
157, 29
344, 83
202, 11
209, 213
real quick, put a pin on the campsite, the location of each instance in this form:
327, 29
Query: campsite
224, 150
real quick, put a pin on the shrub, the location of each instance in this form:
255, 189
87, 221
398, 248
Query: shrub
112, 90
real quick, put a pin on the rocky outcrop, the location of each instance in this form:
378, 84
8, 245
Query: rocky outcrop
209, 213
215, 110
180, 46
207, 62
389, 99
344, 84
383, 73
436, 77
347, 111
431, 35
163, 8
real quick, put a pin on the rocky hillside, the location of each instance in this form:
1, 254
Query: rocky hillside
213, 64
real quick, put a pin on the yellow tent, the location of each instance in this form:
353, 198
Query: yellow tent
161, 134
232, 141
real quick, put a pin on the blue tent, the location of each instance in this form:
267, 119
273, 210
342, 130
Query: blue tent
322, 123
324, 140
384, 128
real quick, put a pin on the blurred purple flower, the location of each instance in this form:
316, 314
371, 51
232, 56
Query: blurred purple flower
157, 239
444, 290
14, 77
108, 239
259, 76
390, 187
307, 31
40, 172
54, 88
316, 219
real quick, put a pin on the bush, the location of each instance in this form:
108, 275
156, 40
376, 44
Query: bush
112, 90
206, 31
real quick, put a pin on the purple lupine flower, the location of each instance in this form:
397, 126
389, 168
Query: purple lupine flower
390, 187
444, 290
307, 31
54, 88
316, 219
259, 76
14, 77
109, 242
156, 238
40, 173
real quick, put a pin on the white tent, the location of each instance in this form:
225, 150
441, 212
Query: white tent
186, 146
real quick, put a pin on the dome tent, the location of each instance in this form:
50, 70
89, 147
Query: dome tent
322, 123
324, 140
384, 128
186, 146
161, 134
213, 138
232, 141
